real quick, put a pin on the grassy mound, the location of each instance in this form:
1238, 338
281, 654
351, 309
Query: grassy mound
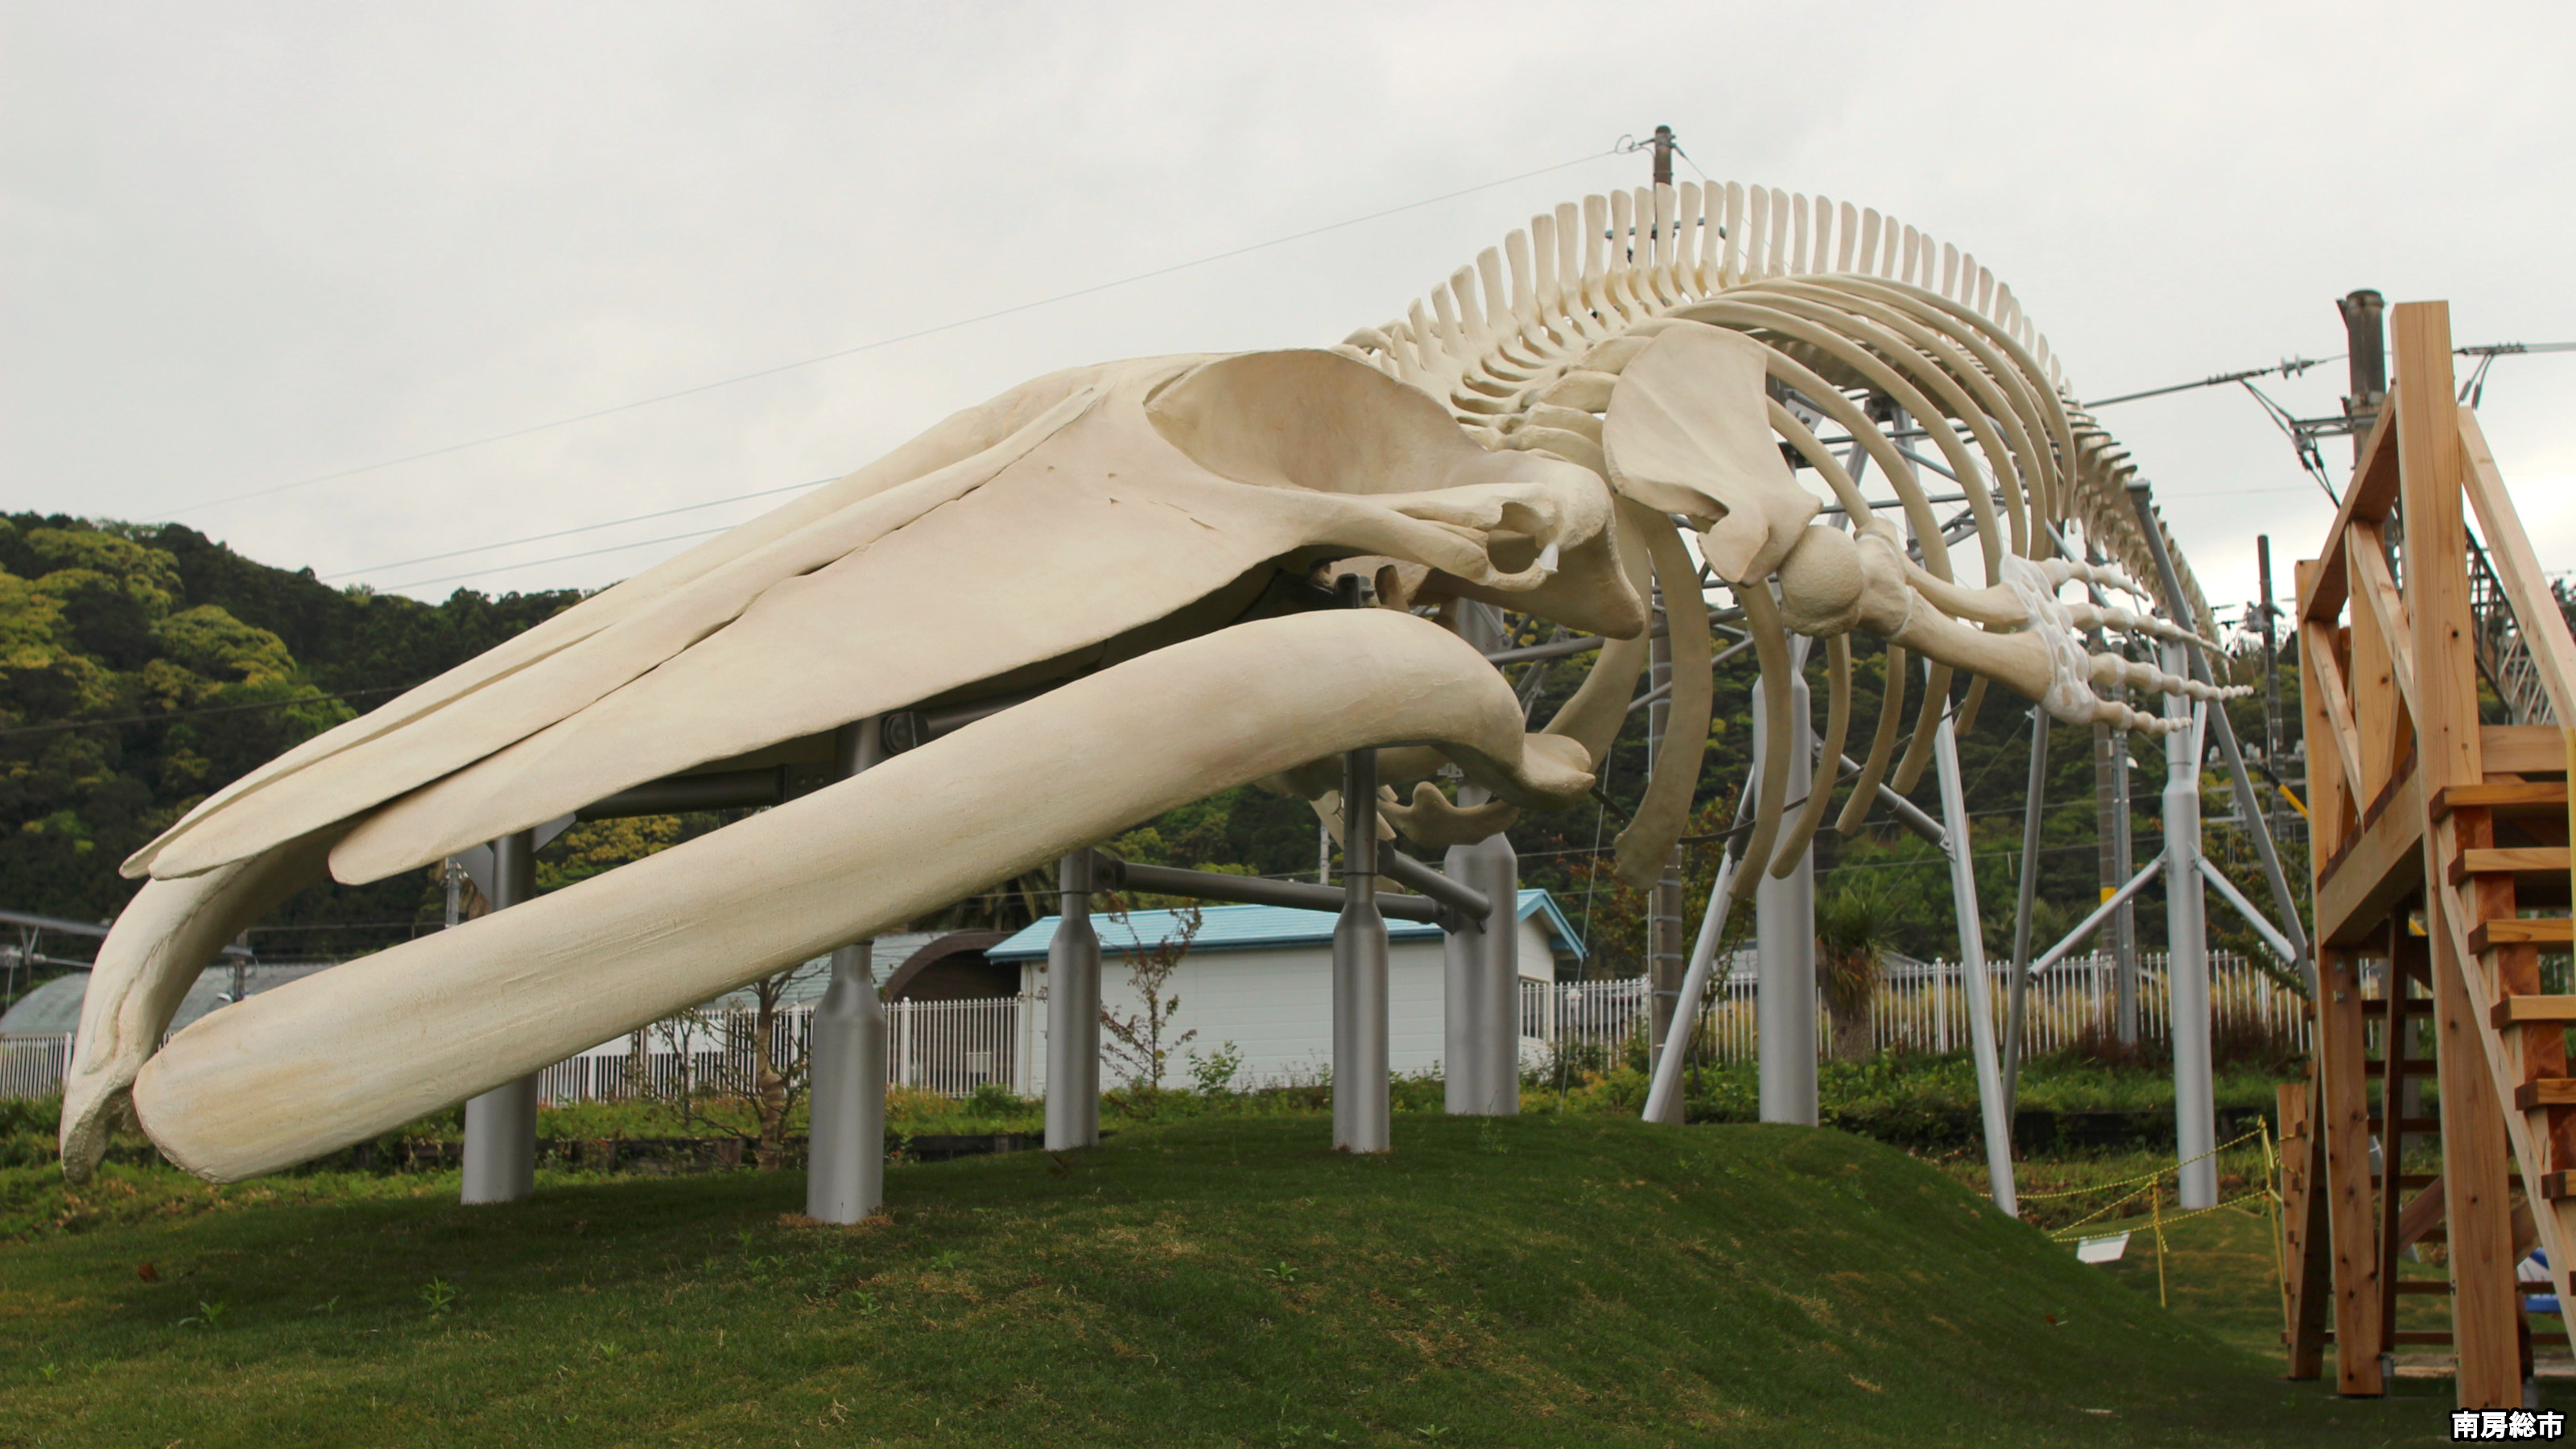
1536, 1281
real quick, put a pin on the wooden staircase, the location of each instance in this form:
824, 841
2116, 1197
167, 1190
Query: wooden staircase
2441, 850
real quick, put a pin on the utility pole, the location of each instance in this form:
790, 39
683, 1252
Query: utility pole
2366, 353
2271, 675
1663, 155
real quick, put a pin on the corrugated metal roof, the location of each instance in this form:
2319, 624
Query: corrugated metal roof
1243, 928
55, 1007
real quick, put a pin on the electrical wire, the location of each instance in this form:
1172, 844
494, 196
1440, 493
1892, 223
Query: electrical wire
882, 342
568, 532
561, 558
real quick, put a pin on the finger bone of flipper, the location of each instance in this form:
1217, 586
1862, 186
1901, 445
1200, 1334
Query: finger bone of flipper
368, 1045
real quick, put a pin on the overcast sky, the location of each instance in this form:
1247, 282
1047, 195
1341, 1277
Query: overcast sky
248, 245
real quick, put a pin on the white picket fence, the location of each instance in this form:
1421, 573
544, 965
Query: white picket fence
32, 1066
953, 1047
949, 1047
1923, 1006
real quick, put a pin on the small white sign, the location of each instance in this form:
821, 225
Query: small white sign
2102, 1250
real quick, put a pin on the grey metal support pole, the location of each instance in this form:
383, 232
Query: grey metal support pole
1361, 1102
1784, 944
2111, 820
2249, 806
2036, 794
1481, 1058
2187, 960
1073, 1013
1481, 1046
846, 1053
1664, 899
501, 1124
1994, 1112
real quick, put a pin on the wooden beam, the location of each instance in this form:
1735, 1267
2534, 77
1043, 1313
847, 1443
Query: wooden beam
2486, 1310
2306, 1283
2510, 860
2382, 865
2317, 659
2546, 1092
2378, 711
2546, 931
2523, 749
2526, 795
2517, 566
2343, 1120
2431, 475
2401, 1219
2370, 495
2421, 1214
2373, 587
2519, 1010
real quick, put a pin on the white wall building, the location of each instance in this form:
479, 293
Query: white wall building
1261, 978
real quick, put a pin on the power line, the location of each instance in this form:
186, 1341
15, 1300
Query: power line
568, 532
881, 342
2294, 366
561, 557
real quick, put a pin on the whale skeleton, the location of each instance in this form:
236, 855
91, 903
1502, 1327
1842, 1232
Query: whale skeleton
1132, 553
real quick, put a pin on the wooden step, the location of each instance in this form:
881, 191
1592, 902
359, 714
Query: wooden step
2517, 860
2557, 1186
2423, 1285
2531, 1010
2545, 1092
2406, 1005
2530, 795
2546, 931
2411, 1067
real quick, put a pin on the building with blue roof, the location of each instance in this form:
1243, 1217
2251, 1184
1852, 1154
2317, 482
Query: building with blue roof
1260, 978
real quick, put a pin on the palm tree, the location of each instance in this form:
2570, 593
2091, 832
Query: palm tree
1854, 927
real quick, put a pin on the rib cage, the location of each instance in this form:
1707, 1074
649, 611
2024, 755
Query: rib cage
1492, 342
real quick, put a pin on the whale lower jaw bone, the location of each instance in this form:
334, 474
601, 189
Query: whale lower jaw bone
348, 1053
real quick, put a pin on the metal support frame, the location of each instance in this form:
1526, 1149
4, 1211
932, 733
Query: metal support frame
1664, 1094
2187, 962
1480, 977
1361, 1100
501, 1124
846, 1056
2116, 901
1073, 1012
2018, 1003
2249, 805
1784, 945
1664, 898
2263, 927
1111, 873
1995, 1114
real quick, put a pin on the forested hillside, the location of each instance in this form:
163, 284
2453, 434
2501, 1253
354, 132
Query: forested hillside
147, 665
142, 667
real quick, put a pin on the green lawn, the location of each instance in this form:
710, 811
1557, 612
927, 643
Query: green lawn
1542, 1280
